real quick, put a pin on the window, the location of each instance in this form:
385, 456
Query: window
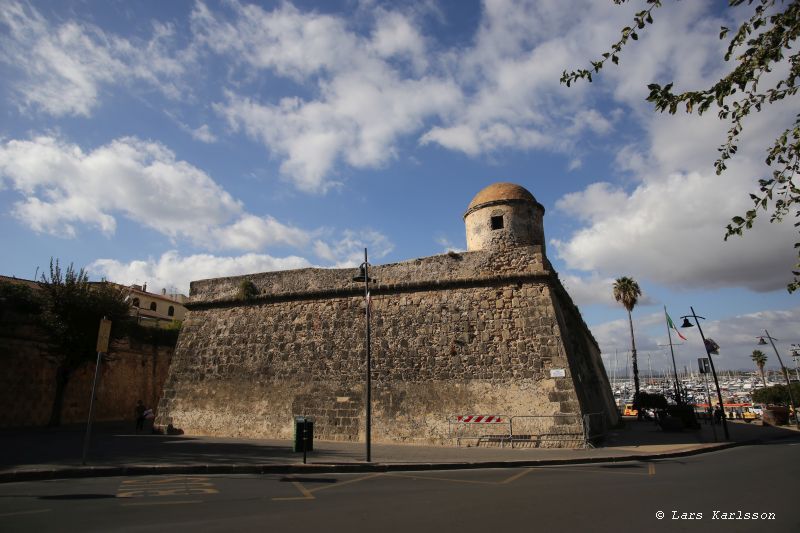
497, 222
171, 311
153, 306
135, 302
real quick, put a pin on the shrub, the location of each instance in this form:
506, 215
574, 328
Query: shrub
247, 290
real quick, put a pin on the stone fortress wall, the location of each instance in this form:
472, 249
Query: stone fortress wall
453, 334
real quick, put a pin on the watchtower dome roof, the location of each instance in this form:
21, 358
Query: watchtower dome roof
501, 192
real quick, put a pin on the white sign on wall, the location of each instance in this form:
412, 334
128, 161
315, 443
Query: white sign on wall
558, 373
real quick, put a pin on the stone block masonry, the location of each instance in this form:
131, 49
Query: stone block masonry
471, 333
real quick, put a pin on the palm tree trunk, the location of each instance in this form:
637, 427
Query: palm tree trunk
635, 370
763, 379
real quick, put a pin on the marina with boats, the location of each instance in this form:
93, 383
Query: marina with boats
695, 388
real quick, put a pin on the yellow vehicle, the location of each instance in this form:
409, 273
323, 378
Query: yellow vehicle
629, 410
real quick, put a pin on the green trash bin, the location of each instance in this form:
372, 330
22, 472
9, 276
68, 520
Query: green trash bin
303, 425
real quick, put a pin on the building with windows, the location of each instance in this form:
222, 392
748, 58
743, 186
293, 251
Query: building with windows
151, 309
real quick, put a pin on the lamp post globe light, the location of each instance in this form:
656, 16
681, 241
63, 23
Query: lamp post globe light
710, 347
762, 342
364, 276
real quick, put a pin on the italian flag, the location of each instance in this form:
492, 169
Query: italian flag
671, 325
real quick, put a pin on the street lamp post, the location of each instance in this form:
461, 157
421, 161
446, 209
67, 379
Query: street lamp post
785, 373
796, 357
687, 324
364, 276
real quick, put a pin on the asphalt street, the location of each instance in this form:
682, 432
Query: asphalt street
758, 479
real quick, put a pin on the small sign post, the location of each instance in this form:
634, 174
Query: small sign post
103, 336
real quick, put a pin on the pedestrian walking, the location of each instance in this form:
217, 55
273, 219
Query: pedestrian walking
717, 414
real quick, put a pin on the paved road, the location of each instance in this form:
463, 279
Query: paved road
601, 497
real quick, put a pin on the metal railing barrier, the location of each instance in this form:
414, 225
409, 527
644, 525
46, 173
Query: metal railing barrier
547, 431
483, 429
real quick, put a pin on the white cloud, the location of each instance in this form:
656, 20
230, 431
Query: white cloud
348, 249
63, 186
395, 36
64, 190
363, 103
671, 232
203, 134
358, 119
251, 232
448, 246
172, 270
65, 67
589, 290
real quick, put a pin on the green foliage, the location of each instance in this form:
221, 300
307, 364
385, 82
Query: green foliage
647, 400
761, 42
685, 413
71, 312
167, 337
760, 359
247, 290
627, 292
19, 298
776, 394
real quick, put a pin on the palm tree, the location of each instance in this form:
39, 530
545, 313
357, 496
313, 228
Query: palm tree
627, 292
760, 359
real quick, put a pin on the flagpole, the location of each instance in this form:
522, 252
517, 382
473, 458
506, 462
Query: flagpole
674, 366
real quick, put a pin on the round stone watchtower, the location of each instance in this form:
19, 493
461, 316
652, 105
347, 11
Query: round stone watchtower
504, 215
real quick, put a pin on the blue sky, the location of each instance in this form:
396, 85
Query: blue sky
162, 142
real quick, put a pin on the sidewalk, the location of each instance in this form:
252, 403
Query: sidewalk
36, 453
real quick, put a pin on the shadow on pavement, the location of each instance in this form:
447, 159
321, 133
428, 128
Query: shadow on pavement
110, 446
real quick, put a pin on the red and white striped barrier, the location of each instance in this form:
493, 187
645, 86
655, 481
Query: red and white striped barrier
480, 419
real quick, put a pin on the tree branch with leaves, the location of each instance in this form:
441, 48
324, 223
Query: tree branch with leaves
761, 43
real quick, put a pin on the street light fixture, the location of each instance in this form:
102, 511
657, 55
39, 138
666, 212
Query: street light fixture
707, 346
364, 276
761, 341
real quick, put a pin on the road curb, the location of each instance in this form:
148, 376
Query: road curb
333, 468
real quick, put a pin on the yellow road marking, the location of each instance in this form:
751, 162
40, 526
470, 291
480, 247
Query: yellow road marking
171, 486
517, 476
593, 470
306, 494
165, 481
343, 483
178, 502
432, 478
26, 512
